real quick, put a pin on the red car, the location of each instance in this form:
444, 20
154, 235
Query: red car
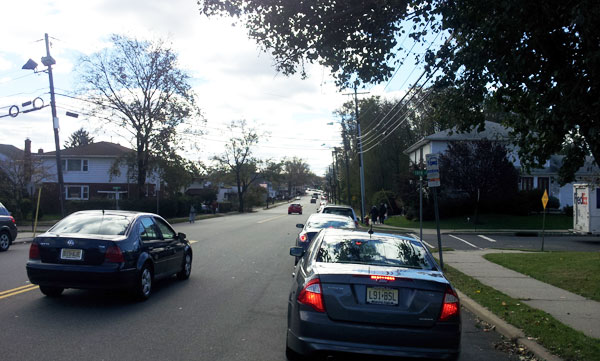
295, 208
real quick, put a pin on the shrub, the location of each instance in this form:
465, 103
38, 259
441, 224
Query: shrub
568, 210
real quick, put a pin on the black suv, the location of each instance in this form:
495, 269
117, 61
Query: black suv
8, 228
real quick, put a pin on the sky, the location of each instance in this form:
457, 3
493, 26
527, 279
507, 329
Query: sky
231, 76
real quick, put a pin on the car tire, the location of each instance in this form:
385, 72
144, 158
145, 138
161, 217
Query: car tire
300, 213
186, 271
289, 212
144, 283
51, 291
4, 241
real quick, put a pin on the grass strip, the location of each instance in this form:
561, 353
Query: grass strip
558, 338
577, 272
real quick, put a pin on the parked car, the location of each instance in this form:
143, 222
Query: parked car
373, 294
295, 208
341, 210
8, 228
318, 221
108, 249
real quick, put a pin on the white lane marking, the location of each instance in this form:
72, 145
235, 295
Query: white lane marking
486, 238
271, 219
417, 237
462, 240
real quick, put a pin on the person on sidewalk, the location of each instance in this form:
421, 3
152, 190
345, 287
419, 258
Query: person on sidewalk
382, 212
374, 214
192, 214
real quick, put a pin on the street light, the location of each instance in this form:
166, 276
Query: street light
48, 61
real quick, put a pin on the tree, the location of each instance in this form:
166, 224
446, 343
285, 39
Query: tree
537, 60
17, 176
238, 161
481, 169
296, 173
78, 138
138, 86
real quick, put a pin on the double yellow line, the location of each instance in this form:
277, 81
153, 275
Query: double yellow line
16, 291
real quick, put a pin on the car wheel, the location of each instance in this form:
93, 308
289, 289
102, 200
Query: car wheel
185, 273
144, 286
289, 212
51, 291
4, 241
300, 212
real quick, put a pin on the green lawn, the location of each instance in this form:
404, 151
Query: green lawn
491, 221
558, 338
577, 272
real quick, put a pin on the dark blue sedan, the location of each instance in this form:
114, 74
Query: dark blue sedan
108, 250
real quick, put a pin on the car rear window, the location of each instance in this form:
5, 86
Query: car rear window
340, 211
4, 211
331, 223
115, 225
381, 251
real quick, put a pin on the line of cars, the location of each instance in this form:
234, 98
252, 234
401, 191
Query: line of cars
367, 293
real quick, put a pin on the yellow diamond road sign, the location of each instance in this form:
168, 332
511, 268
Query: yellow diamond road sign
545, 198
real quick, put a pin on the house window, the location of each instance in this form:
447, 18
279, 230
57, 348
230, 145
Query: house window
544, 183
77, 192
75, 165
526, 183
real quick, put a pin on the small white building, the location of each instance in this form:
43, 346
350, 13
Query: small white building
586, 210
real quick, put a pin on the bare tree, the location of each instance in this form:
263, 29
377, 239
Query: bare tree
18, 176
138, 86
238, 161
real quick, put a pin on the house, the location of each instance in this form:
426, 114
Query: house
87, 172
541, 178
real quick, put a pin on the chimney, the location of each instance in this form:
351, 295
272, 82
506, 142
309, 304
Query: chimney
27, 160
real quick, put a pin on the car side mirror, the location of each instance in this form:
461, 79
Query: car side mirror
297, 251
299, 225
181, 236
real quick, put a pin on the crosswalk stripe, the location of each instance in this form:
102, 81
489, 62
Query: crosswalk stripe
462, 240
486, 238
417, 237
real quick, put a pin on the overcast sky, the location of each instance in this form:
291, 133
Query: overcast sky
232, 78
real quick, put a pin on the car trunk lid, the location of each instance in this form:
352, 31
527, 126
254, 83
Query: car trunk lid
394, 296
74, 249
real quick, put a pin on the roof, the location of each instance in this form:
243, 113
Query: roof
100, 149
492, 131
11, 151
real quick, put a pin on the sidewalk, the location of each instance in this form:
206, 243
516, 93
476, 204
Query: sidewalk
429, 231
573, 310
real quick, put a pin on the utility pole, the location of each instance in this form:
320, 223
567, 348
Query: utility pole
49, 61
360, 160
346, 146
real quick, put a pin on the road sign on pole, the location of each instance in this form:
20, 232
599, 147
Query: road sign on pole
544, 203
433, 170
545, 198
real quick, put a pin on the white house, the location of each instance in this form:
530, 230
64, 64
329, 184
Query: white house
543, 178
86, 172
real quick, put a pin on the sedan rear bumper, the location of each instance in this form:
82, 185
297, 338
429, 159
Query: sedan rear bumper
313, 332
80, 276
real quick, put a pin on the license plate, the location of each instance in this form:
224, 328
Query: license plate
382, 296
71, 254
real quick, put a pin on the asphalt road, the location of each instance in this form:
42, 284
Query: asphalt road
232, 308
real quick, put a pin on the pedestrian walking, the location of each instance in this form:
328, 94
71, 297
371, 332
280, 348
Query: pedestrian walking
374, 214
192, 214
382, 211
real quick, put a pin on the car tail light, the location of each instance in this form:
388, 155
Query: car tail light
13, 220
451, 306
387, 278
356, 223
311, 295
114, 254
34, 251
303, 238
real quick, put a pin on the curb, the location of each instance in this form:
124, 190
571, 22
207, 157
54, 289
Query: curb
505, 329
